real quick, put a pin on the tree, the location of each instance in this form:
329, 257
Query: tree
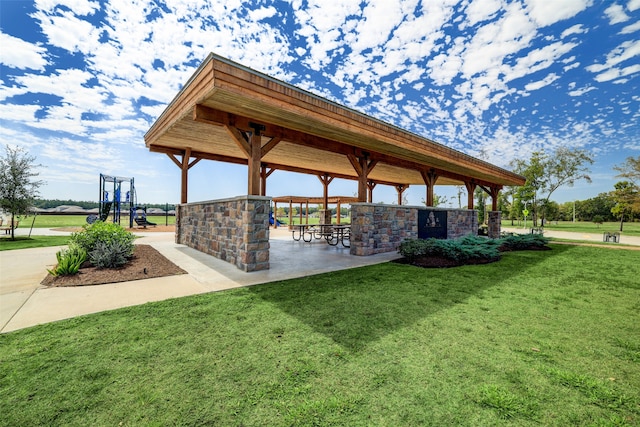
545, 174
624, 195
630, 169
18, 189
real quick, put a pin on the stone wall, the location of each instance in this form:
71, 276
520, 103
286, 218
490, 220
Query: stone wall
461, 222
381, 228
234, 230
495, 224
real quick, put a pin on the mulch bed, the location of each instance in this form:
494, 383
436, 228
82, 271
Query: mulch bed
146, 263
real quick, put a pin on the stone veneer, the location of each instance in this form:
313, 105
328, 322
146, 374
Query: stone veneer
495, 224
381, 228
461, 222
235, 230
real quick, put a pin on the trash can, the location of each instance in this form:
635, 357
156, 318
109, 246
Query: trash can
606, 236
615, 237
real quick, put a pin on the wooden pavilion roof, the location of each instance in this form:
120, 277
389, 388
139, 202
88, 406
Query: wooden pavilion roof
223, 103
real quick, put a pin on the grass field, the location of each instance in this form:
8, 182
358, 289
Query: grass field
24, 242
539, 338
56, 221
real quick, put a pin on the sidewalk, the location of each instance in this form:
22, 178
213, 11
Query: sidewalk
587, 237
24, 302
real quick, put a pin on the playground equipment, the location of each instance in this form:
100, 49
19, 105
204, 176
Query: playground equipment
141, 218
115, 205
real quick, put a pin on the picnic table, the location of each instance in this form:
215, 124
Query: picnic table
333, 234
305, 231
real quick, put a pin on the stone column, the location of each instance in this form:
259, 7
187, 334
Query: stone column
325, 216
495, 219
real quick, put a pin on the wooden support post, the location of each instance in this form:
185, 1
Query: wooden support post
370, 186
362, 167
400, 188
254, 164
429, 177
264, 174
471, 188
290, 214
184, 166
306, 213
495, 194
275, 214
338, 213
325, 180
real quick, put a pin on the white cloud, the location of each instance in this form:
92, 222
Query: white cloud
609, 70
576, 29
616, 14
17, 53
546, 12
80, 7
542, 83
582, 91
633, 5
481, 10
632, 28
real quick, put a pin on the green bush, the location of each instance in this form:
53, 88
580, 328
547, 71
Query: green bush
470, 247
111, 254
69, 261
463, 249
519, 242
103, 232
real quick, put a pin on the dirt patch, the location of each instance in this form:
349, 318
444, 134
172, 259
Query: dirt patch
146, 263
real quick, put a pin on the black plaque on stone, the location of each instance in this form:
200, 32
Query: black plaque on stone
432, 224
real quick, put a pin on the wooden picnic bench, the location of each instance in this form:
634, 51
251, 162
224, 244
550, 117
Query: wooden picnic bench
7, 228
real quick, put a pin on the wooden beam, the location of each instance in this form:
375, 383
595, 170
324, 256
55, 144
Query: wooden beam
429, 177
325, 180
254, 164
471, 188
400, 188
240, 138
270, 145
185, 175
370, 186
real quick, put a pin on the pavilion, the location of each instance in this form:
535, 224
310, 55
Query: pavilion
230, 113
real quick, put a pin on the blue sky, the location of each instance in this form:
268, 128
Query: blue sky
82, 81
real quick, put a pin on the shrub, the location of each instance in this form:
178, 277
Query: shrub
112, 254
69, 261
463, 249
103, 232
519, 242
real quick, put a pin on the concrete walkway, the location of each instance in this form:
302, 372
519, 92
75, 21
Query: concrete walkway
24, 302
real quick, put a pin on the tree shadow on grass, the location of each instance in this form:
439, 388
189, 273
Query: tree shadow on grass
358, 306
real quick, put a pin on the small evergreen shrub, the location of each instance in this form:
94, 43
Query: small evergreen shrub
69, 261
463, 249
111, 254
519, 242
103, 232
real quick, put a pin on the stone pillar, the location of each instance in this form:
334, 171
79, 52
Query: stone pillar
495, 223
325, 216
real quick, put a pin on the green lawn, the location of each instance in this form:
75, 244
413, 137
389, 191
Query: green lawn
539, 338
24, 242
57, 221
